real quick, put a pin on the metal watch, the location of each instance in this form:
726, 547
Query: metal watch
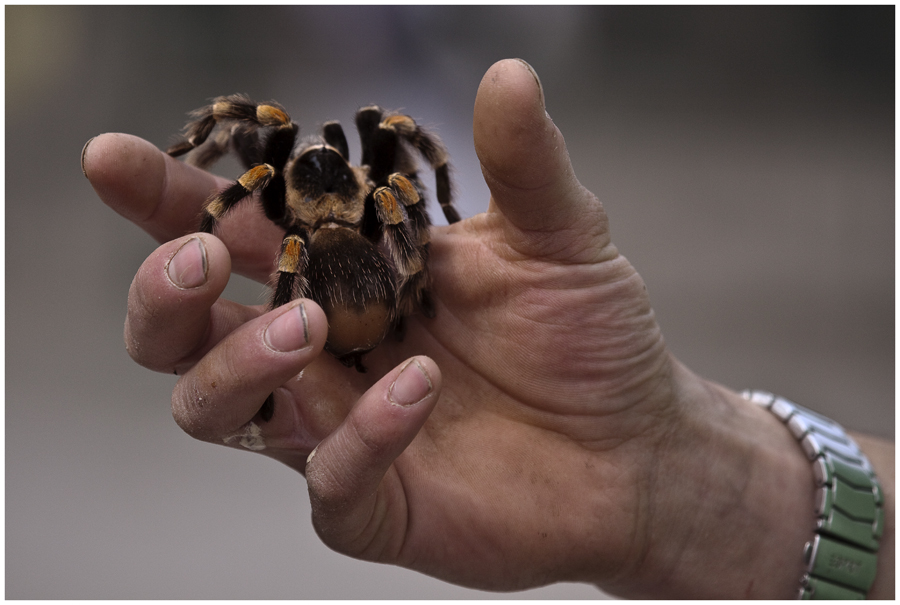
842, 558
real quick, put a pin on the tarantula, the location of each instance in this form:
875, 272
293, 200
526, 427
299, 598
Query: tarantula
356, 237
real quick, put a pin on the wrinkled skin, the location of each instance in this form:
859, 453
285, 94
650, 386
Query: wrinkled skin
550, 436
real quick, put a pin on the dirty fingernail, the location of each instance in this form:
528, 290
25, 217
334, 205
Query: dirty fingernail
289, 331
188, 267
536, 79
411, 386
83, 153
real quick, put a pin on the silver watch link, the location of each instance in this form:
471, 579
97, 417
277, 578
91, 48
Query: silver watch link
842, 558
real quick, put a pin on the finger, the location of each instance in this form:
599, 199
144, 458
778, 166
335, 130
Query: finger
164, 197
226, 388
174, 312
158, 193
527, 169
344, 473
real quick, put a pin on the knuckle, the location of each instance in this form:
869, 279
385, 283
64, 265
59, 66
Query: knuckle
327, 492
140, 324
161, 332
330, 497
231, 359
191, 410
335, 486
372, 447
135, 345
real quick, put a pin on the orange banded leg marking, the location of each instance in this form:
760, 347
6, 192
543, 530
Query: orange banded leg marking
292, 254
403, 125
388, 209
240, 108
233, 108
432, 150
257, 177
292, 262
398, 234
269, 115
219, 205
406, 192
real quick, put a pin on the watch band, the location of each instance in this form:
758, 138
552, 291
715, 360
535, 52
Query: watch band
842, 558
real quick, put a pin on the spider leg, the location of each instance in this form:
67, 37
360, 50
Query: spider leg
432, 149
408, 195
268, 408
233, 108
222, 202
367, 121
212, 150
244, 141
291, 283
275, 151
333, 133
292, 263
414, 290
356, 361
241, 120
405, 228
380, 149
401, 241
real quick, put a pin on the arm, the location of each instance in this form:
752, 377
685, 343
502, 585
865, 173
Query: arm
749, 489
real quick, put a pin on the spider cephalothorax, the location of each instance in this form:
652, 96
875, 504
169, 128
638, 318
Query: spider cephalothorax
356, 237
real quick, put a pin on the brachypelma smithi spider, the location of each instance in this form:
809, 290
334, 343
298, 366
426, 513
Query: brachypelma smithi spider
356, 237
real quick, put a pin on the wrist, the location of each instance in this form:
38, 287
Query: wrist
842, 561
732, 502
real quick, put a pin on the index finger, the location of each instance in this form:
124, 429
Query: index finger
164, 197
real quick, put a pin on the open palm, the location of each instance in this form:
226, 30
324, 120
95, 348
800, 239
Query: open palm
542, 377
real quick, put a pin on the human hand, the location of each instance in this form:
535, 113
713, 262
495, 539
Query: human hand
548, 435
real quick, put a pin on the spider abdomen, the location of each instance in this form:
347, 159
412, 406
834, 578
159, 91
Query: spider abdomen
355, 286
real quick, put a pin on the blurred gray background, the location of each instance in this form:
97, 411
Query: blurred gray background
745, 157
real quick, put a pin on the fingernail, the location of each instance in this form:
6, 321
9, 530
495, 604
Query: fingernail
536, 79
188, 267
411, 386
83, 153
289, 331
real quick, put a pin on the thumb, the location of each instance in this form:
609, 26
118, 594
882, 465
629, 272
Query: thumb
526, 167
358, 503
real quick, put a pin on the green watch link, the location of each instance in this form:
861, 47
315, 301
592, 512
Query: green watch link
842, 558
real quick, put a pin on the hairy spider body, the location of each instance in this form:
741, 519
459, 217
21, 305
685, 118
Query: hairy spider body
356, 237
